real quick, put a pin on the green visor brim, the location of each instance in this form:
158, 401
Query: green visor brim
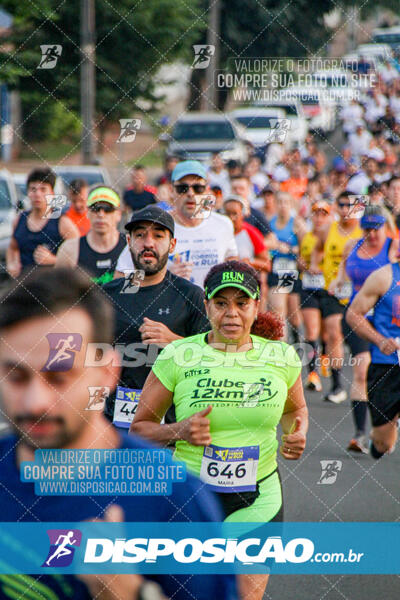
253, 295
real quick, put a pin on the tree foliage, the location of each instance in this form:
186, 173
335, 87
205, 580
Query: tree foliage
133, 39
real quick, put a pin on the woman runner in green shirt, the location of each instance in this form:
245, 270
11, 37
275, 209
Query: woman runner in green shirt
230, 389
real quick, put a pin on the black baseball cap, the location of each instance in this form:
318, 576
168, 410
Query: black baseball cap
152, 213
268, 188
238, 279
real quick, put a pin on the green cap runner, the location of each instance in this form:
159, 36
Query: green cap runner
103, 194
243, 281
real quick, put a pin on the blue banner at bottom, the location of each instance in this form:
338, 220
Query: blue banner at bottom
200, 548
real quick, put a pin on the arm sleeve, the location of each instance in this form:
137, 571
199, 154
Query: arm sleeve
164, 367
293, 366
124, 261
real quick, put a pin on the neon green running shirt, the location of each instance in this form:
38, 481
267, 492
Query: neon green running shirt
247, 391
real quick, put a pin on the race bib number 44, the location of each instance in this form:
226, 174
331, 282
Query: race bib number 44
230, 469
126, 403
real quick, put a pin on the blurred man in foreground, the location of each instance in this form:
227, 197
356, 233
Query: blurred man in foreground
45, 402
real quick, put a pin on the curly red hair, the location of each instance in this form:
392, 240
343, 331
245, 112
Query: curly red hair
268, 325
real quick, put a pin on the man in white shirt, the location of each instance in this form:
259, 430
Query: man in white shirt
359, 141
388, 72
204, 238
360, 181
394, 103
350, 115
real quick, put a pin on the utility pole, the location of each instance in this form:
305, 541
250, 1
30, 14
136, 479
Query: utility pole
353, 25
213, 39
88, 83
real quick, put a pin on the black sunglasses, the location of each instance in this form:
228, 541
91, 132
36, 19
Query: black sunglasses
183, 188
341, 204
96, 208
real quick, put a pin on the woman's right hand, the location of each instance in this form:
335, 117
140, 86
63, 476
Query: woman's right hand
196, 429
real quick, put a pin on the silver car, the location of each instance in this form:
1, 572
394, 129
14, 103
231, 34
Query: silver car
196, 136
92, 174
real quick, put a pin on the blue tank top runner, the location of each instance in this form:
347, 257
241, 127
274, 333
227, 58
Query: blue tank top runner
358, 269
386, 319
28, 240
287, 235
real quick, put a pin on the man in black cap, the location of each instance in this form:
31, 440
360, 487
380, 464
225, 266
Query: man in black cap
152, 307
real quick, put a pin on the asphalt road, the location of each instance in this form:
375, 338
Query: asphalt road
365, 490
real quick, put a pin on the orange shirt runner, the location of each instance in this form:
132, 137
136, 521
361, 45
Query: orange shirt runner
81, 220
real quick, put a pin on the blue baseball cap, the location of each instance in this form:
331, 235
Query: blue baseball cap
188, 167
339, 164
372, 221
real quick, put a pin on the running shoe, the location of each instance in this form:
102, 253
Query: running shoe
336, 396
313, 382
358, 444
325, 366
374, 452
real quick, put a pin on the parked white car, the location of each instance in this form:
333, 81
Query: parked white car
258, 123
387, 35
379, 52
336, 86
298, 130
321, 115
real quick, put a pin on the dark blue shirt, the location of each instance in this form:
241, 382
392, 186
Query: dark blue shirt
189, 502
257, 219
28, 240
136, 201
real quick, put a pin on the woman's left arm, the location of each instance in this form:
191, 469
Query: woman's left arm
294, 422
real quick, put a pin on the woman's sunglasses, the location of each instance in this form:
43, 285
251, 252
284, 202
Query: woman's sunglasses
183, 188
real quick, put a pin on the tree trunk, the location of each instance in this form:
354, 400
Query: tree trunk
196, 84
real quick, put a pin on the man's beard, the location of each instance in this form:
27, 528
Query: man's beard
62, 436
149, 269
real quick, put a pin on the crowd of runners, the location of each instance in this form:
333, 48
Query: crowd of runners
193, 295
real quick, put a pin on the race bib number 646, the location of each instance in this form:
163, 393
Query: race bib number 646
230, 469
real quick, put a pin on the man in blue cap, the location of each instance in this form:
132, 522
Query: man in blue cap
204, 237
